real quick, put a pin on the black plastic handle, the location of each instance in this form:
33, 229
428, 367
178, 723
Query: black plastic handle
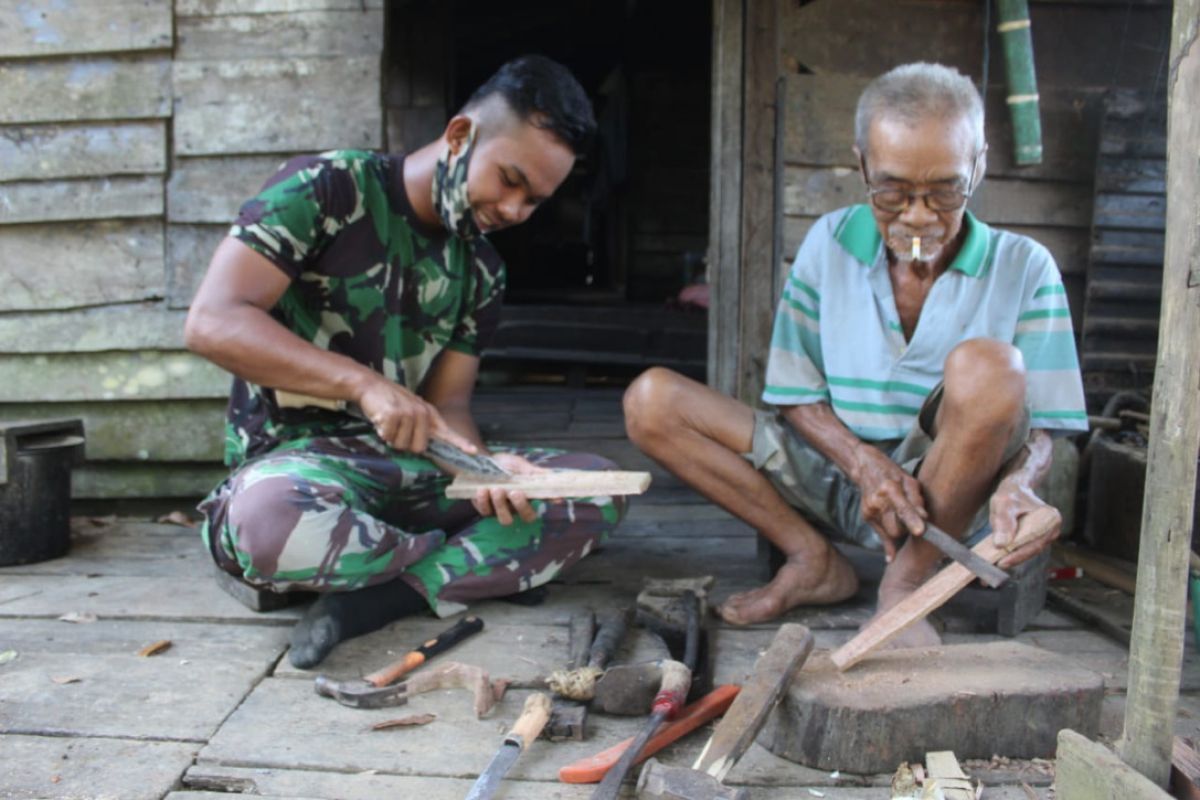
463, 629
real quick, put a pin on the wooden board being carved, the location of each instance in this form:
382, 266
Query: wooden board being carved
561, 483
936, 591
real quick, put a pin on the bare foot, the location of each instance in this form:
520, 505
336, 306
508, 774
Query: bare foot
900, 579
798, 582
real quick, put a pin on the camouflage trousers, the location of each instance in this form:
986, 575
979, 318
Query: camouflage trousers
340, 513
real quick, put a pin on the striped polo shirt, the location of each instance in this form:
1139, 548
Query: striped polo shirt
837, 336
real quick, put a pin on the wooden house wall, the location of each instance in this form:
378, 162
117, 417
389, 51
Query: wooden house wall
130, 132
830, 49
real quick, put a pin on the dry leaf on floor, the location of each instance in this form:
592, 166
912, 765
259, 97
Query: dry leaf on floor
177, 518
404, 722
155, 649
7, 656
62, 680
56, 779
78, 616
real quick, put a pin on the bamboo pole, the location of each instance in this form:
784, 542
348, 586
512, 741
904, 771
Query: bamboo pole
1156, 655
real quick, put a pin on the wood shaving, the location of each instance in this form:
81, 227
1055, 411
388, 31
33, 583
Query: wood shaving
176, 518
78, 617
404, 722
154, 649
1028, 790
7, 656
62, 680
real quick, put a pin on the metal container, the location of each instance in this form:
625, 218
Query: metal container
35, 488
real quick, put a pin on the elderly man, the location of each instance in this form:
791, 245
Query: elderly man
367, 279
919, 361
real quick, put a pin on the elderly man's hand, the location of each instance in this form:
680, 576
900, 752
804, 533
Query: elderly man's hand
1012, 500
891, 498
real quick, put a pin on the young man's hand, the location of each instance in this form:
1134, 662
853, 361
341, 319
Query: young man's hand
891, 498
405, 421
503, 503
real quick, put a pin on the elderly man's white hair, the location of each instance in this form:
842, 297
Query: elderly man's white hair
913, 92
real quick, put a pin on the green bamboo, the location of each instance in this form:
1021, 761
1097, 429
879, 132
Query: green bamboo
1022, 80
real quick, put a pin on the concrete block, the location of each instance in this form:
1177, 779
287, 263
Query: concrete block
1088, 770
1001, 698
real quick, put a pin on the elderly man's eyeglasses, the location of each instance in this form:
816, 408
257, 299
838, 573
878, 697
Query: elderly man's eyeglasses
894, 200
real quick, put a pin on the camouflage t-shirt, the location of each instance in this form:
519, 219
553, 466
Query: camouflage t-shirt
369, 281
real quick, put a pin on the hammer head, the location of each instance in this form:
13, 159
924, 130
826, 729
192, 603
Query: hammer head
628, 689
360, 693
660, 782
567, 721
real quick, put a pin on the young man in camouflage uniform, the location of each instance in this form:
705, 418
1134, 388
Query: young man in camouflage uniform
366, 278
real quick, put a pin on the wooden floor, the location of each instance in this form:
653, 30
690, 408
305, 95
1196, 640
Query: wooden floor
82, 715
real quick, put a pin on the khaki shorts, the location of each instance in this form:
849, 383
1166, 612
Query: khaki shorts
825, 496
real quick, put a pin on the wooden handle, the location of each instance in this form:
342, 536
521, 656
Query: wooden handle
672, 692
612, 623
293, 400
936, 591
464, 628
533, 718
592, 768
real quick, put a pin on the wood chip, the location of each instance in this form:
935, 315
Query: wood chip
62, 680
7, 656
1028, 790
177, 518
404, 722
155, 649
78, 616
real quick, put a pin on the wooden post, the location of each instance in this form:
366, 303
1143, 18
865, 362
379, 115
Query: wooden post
725, 196
1156, 655
757, 296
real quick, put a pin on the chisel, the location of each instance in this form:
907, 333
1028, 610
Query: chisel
524, 730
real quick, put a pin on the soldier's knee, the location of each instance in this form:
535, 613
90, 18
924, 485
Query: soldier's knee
261, 516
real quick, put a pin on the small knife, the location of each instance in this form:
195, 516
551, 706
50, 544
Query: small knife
524, 730
986, 571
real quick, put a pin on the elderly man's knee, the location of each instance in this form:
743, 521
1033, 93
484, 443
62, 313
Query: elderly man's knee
650, 402
985, 373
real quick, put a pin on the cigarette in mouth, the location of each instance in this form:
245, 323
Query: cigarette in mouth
916, 250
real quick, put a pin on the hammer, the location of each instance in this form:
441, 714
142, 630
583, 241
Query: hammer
737, 729
379, 688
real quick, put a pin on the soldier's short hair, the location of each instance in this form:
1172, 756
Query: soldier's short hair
544, 93
917, 91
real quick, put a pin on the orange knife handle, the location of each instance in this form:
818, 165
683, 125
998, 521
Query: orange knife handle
464, 628
713, 704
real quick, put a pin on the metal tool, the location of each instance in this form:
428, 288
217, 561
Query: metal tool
671, 696
524, 730
378, 689
989, 573
593, 768
737, 729
438, 448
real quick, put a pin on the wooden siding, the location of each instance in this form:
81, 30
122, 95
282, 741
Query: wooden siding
130, 133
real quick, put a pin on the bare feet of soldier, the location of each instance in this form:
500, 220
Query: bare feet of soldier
800, 581
900, 579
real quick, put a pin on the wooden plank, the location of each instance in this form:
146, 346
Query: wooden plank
935, 592
42, 152
293, 34
1185, 771
281, 784
80, 264
250, 643
760, 216
69, 28
212, 8
158, 430
85, 89
137, 326
942, 767
725, 196
255, 105
139, 481
58, 768
131, 375
213, 189
1167, 514
189, 250
1087, 770
563, 483
95, 198
810, 191
819, 128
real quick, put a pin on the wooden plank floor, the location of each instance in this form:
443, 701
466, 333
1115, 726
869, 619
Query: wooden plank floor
83, 716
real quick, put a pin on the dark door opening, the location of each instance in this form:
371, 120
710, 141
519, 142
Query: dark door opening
595, 274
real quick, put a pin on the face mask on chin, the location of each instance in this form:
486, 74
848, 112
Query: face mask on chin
450, 189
